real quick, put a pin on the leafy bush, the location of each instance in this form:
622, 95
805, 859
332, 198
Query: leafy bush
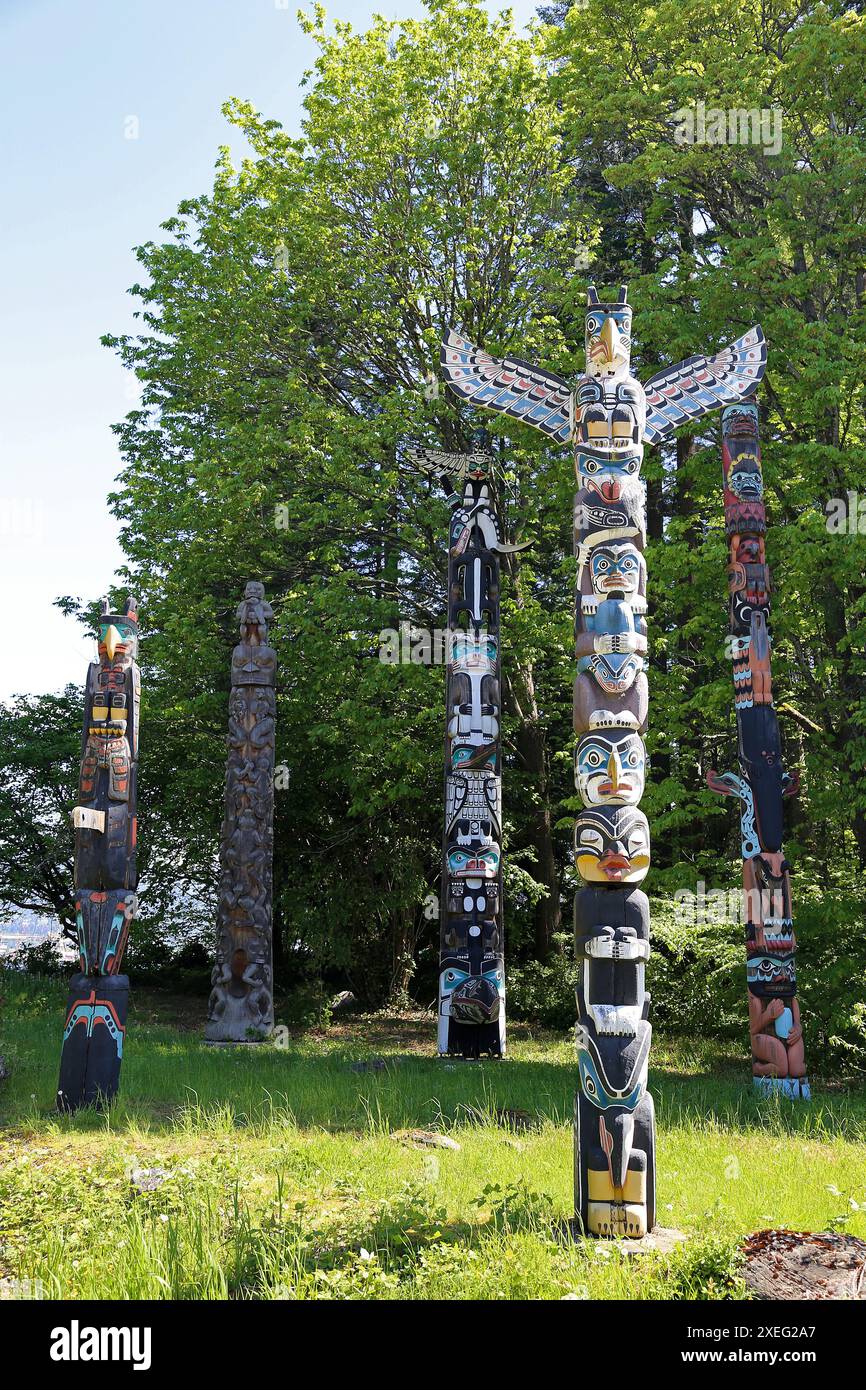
307, 1006
543, 993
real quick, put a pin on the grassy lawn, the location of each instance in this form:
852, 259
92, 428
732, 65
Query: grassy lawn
280, 1176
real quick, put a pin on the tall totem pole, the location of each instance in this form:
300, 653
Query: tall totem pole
778, 1058
241, 1005
105, 866
609, 417
471, 944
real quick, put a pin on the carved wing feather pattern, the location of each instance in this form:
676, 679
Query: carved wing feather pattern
508, 387
436, 460
701, 384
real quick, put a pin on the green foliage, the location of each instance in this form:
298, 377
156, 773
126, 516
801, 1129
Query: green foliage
544, 993
41, 741
450, 171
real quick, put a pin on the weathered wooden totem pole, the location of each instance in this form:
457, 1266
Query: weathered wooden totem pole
241, 1006
778, 1059
609, 418
471, 944
105, 866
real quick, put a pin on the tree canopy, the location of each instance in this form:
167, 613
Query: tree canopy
451, 171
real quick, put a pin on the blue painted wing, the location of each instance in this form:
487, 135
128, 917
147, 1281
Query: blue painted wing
695, 387
509, 387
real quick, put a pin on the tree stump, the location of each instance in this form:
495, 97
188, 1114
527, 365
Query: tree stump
783, 1265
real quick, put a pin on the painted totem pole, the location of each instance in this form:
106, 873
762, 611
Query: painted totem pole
105, 866
241, 1006
778, 1059
609, 418
471, 943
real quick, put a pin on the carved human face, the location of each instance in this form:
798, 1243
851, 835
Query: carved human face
609, 767
616, 567
612, 845
744, 478
771, 976
471, 653
474, 860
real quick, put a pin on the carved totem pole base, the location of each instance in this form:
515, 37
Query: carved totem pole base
794, 1087
235, 1025
92, 1040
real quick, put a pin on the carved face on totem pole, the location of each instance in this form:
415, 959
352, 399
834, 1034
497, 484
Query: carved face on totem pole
117, 635
610, 767
613, 568
612, 845
607, 336
741, 466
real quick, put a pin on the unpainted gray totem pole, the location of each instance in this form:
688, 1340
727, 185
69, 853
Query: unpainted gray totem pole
241, 1007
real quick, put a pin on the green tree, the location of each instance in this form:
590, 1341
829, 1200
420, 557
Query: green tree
718, 236
290, 331
41, 740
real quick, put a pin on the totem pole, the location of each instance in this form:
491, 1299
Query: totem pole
471, 945
778, 1059
609, 417
105, 866
241, 1006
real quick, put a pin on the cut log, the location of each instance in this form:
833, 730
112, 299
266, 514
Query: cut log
782, 1265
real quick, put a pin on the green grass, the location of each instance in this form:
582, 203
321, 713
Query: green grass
285, 1180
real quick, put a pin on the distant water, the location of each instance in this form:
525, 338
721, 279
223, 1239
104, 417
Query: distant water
29, 929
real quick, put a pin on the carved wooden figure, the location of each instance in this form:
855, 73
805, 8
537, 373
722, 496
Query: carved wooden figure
778, 1057
106, 874
471, 946
241, 1007
608, 418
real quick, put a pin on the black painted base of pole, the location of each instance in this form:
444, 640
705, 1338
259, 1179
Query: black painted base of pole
93, 1040
474, 1039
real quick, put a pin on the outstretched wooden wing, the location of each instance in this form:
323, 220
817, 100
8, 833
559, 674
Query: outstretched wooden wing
509, 387
438, 462
701, 384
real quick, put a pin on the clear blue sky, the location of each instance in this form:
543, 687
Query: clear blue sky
78, 195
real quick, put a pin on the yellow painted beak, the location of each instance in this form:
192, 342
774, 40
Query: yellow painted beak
610, 338
112, 641
612, 771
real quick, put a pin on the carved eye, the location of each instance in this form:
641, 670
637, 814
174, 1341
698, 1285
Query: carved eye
632, 466
589, 1086
593, 323
637, 841
602, 565
592, 758
633, 758
590, 839
591, 465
